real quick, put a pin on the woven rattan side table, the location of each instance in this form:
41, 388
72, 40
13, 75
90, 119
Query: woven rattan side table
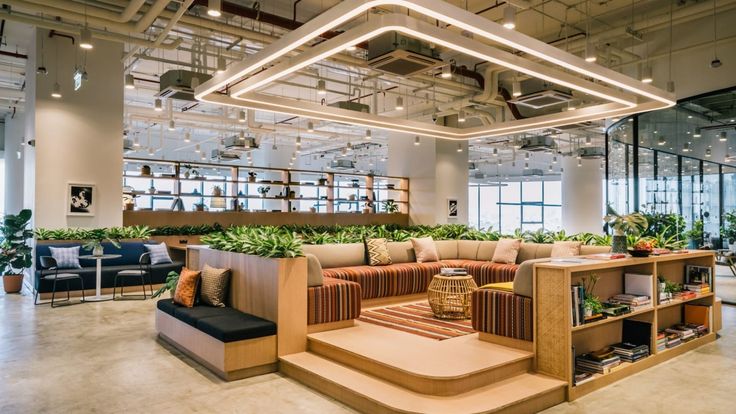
449, 296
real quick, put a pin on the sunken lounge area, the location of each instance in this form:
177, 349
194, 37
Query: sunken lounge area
367, 206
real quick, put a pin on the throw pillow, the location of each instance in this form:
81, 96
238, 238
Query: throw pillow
214, 286
66, 257
566, 249
506, 251
314, 271
425, 250
377, 252
186, 287
159, 253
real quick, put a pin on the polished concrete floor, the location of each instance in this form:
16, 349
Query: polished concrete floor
105, 358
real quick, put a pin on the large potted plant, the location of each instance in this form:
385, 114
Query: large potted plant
728, 231
623, 224
15, 253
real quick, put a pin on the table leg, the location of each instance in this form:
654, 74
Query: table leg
98, 297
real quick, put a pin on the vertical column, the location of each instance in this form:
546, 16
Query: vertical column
582, 196
14, 169
78, 137
437, 172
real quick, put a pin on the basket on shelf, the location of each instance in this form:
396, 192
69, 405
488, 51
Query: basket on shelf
449, 296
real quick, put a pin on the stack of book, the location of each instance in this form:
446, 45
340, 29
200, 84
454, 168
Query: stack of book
699, 330
686, 334
700, 289
685, 295
629, 352
673, 340
661, 341
615, 309
635, 302
453, 271
582, 377
598, 362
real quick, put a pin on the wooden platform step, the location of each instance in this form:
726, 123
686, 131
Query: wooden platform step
523, 393
430, 367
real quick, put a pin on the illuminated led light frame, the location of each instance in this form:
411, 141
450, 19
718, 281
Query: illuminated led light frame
479, 26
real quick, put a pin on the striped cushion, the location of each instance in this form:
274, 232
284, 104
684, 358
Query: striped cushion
391, 280
502, 313
159, 253
486, 272
66, 257
336, 300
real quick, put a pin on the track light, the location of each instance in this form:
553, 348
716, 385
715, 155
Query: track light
446, 72
197, 149
461, 116
129, 81
661, 141
590, 52
368, 135
56, 91
310, 126
697, 133
646, 75
509, 17
172, 125
723, 137
158, 105
416, 140
187, 137
241, 116
214, 8
85, 38
321, 87
459, 147
399, 103
516, 89
221, 64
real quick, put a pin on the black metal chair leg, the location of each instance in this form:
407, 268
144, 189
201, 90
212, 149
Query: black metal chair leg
114, 286
81, 282
68, 298
143, 285
53, 294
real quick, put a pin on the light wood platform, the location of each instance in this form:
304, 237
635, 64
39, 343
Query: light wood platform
448, 367
523, 393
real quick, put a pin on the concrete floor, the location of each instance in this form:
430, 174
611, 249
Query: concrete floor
104, 357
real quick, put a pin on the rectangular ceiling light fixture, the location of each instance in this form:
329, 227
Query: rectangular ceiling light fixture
633, 97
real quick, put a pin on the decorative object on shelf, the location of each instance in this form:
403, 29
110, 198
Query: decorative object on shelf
263, 190
642, 248
452, 211
252, 176
15, 253
322, 181
129, 198
145, 171
292, 194
195, 192
355, 183
240, 193
152, 190
351, 197
80, 199
94, 242
169, 285
177, 204
632, 223
217, 201
390, 186
199, 207
217, 191
368, 207
450, 296
592, 304
391, 206
312, 209
190, 171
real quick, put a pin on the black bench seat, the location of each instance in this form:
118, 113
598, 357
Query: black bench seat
223, 324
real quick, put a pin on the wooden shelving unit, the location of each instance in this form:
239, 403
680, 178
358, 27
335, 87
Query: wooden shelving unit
555, 337
336, 192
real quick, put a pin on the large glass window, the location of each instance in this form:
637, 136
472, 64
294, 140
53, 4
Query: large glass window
507, 206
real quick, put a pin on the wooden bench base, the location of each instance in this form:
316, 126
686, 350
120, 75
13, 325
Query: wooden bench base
229, 360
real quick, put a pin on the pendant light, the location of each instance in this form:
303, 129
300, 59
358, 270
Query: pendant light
129, 81
172, 125
416, 140
646, 74
241, 136
459, 147
549, 168
697, 133
197, 149
590, 52
310, 126
461, 116
214, 8
580, 163
723, 137
187, 137
221, 64
56, 91
554, 159
715, 63
446, 72
509, 17
399, 103
85, 38
515, 88
298, 141
368, 135
321, 87
588, 141
708, 152
499, 162
495, 152
686, 147
241, 116
661, 141
158, 105
136, 142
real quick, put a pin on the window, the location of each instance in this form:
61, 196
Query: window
2, 187
528, 205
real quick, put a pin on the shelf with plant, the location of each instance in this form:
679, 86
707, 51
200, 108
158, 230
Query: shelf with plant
611, 319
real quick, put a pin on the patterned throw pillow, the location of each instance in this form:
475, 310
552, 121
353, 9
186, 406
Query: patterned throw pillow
159, 253
377, 252
214, 286
186, 287
566, 249
66, 257
425, 250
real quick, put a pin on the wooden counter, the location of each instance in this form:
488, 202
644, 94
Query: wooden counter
228, 218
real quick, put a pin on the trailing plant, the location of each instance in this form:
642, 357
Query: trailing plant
15, 253
624, 224
169, 285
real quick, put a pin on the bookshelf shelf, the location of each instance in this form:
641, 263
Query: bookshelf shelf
612, 319
557, 343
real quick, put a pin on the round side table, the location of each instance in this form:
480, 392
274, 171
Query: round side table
449, 296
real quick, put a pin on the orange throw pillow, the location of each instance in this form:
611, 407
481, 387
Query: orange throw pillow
186, 287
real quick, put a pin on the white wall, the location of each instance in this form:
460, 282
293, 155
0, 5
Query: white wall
436, 172
582, 196
14, 168
78, 137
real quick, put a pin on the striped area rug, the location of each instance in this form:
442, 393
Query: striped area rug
417, 318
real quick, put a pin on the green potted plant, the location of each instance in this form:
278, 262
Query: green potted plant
696, 235
667, 289
391, 206
169, 285
591, 302
728, 231
95, 239
15, 253
623, 224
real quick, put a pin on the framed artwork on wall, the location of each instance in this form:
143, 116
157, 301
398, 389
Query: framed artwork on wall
81, 199
451, 208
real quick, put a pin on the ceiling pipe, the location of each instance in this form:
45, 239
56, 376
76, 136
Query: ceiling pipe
74, 29
162, 36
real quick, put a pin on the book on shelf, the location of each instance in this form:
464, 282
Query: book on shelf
600, 362
635, 302
594, 318
661, 341
673, 340
629, 352
686, 334
698, 275
700, 289
686, 295
577, 297
581, 377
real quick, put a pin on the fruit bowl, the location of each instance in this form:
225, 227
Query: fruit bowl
640, 252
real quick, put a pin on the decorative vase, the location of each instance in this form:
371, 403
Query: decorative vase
98, 250
145, 170
12, 283
619, 244
129, 206
588, 312
367, 210
312, 209
322, 181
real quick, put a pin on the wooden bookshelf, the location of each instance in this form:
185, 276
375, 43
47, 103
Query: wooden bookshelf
555, 337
